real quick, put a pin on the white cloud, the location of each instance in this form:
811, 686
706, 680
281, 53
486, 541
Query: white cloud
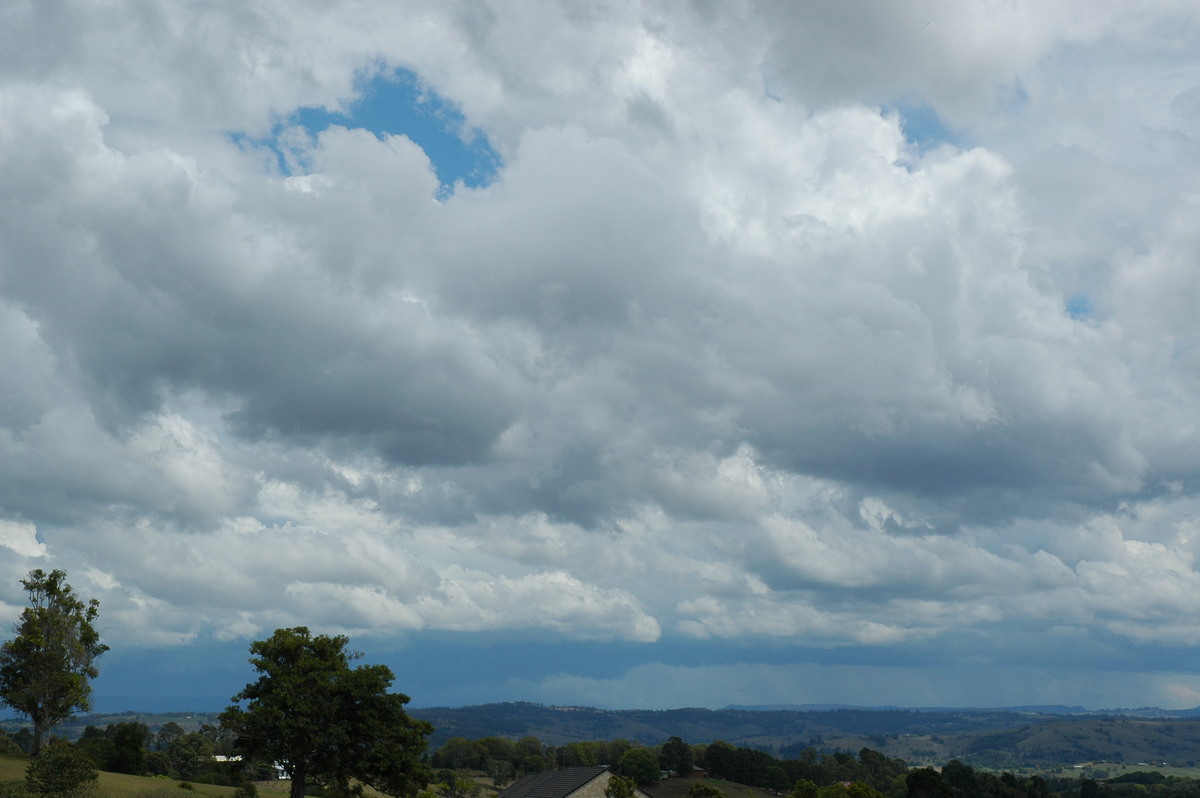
719, 354
21, 539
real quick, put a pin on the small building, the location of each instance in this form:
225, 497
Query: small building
577, 782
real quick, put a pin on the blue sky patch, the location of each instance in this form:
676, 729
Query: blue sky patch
1078, 306
396, 103
923, 127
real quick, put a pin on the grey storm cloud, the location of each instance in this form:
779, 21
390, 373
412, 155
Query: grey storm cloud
725, 351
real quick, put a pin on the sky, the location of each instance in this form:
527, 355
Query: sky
615, 353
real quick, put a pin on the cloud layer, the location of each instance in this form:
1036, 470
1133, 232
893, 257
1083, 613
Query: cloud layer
729, 351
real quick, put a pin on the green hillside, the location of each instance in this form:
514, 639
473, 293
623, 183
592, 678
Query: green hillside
1119, 740
780, 730
984, 738
120, 785
73, 727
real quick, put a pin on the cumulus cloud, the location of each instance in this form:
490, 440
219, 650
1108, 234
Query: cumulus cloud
724, 351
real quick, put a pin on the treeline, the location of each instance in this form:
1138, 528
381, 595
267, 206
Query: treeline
135, 749
958, 780
809, 774
505, 759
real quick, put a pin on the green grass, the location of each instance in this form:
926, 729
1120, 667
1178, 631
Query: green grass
1112, 770
120, 785
12, 768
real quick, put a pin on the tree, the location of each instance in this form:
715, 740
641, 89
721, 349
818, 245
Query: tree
458, 753
169, 733
129, 748
190, 755
805, 789
582, 753
960, 778
23, 737
719, 759
860, 789
8, 746
676, 755
639, 765
619, 787
325, 721
45, 671
927, 783
530, 755
500, 770
96, 744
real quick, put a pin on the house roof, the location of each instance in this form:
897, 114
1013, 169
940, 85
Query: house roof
552, 783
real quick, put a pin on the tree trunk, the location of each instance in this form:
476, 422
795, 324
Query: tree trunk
298, 778
40, 728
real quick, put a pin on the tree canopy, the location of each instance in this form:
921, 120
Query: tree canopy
640, 765
676, 755
325, 721
620, 787
46, 670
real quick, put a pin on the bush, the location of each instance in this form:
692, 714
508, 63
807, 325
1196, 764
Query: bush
62, 771
703, 789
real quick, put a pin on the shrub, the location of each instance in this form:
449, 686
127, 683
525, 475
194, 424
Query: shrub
703, 789
62, 771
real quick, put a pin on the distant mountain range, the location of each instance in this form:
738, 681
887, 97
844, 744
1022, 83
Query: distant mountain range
1036, 736
1025, 736
1040, 709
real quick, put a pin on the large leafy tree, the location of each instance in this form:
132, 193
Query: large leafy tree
325, 721
676, 755
46, 670
129, 748
640, 765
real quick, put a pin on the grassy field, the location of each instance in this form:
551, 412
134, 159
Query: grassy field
1108, 770
119, 785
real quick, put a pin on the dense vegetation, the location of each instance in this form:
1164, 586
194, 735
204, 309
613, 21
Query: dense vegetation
188, 755
132, 748
810, 774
